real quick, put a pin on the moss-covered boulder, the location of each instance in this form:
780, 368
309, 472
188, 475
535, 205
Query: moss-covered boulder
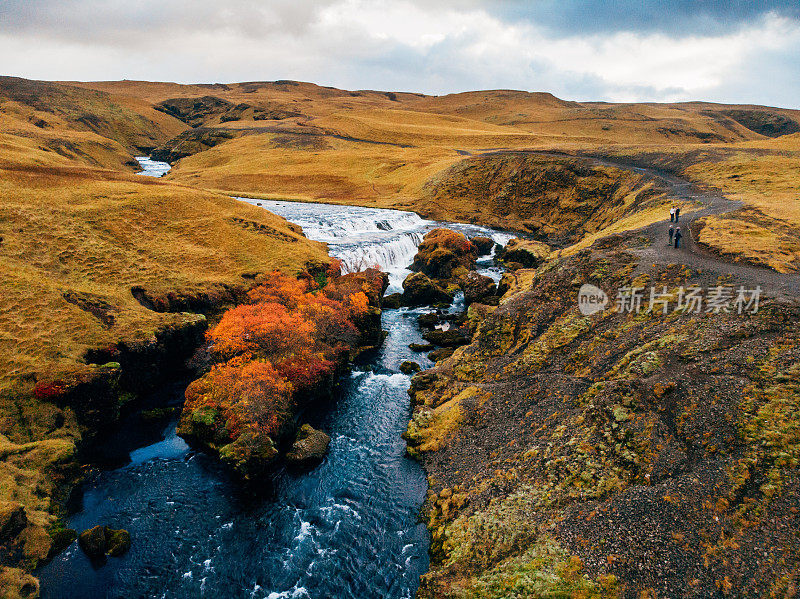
409, 367
392, 301
420, 347
420, 290
442, 251
449, 338
309, 447
101, 541
526, 252
483, 244
477, 288
251, 454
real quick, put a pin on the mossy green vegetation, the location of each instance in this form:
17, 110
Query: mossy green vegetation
655, 451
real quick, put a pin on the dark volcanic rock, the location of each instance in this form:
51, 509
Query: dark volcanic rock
419, 290
102, 541
309, 447
420, 347
429, 320
441, 354
483, 245
409, 367
392, 301
478, 287
450, 338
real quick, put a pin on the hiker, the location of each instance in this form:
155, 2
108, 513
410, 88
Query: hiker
671, 233
672, 215
678, 236
677, 214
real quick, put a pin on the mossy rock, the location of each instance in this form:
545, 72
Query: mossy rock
309, 447
419, 290
392, 301
62, 538
409, 367
483, 244
421, 347
101, 541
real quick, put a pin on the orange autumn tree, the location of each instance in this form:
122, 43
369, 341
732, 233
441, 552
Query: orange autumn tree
283, 346
264, 329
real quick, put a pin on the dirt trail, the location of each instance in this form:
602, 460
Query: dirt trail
713, 203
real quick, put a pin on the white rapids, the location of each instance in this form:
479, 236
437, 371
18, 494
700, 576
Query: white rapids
363, 237
152, 168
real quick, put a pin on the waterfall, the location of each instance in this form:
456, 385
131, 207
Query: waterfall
364, 237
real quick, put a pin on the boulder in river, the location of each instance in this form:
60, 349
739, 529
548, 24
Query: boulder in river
393, 300
409, 367
101, 541
478, 287
483, 245
440, 354
429, 320
419, 290
442, 251
420, 347
449, 338
308, 448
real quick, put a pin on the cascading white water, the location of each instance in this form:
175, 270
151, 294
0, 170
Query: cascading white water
152, 168
363, 237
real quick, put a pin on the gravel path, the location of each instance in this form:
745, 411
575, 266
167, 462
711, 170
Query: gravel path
713, 203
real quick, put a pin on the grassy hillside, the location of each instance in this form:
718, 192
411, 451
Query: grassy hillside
296, 140
98, 266
102, 265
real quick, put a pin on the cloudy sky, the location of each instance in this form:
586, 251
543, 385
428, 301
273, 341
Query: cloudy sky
625, 50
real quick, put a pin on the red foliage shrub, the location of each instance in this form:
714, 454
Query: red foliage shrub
50, 390
249, 395
305, 371
268, 330
289, 339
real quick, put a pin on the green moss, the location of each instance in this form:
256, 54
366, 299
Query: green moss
545, 570
205, 416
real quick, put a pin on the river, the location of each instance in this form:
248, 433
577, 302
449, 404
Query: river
347, 529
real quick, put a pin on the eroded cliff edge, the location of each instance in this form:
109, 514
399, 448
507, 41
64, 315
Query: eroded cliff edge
617, 454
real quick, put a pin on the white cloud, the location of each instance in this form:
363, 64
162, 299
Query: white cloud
402, 45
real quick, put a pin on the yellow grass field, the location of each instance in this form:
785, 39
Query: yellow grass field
82, 236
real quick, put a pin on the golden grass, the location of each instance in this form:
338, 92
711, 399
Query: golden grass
100, 233
739, 240
334, 171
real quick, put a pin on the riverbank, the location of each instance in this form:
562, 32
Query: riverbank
616, 454
101, 270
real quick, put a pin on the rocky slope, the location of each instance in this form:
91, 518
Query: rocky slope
617, 454
558, 199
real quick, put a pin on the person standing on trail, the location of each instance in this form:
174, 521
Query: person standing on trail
671, 233
678, 236
672, 216
677, 214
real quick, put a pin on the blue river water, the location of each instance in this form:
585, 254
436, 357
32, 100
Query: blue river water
347, 529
